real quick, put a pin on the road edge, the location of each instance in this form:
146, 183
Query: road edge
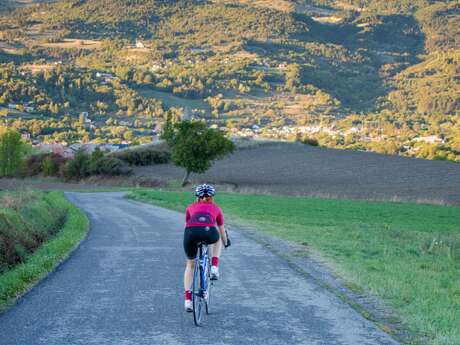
302, 259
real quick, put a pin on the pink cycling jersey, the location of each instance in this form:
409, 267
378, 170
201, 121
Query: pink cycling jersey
203, 214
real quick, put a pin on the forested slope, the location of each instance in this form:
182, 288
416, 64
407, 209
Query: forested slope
373, 74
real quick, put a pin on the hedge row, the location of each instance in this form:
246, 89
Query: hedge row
146, 155
82, 165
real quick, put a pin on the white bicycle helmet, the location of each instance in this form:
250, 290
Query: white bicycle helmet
204, 190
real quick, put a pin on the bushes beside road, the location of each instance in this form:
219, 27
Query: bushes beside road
47, 163
98, 163
27, 220
13, 161
82, 165
37, 230
144, 155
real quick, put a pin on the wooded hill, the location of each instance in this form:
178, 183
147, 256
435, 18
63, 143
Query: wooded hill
270, 63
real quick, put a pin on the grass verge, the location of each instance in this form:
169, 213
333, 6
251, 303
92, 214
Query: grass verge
408, 254
20, 278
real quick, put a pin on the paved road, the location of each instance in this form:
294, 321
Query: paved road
123, 286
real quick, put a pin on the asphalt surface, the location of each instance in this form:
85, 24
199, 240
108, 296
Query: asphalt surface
123, 285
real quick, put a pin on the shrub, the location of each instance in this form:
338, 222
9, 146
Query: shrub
310, 141
33, 165
148, 155
49, 168
106, 165
52, 164
47, 163
84, 165
76, 168
96, 162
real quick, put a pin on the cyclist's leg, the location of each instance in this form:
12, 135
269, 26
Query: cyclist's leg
215, 245
188, 280
216, 250
190, 248
188, 276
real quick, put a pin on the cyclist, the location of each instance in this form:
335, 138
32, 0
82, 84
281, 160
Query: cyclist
204, 222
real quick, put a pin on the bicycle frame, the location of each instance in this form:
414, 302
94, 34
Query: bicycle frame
200, 288
203, 261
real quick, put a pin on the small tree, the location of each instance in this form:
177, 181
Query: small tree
12, 151
49, 167
293, 76
195, 147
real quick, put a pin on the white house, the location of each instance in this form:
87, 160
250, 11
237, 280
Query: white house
155, 67
353, 130
25, 136
432, 139
105, 75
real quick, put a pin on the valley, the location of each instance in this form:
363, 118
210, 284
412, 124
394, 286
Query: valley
377, 78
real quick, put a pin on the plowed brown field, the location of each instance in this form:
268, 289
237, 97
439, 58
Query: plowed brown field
303, 170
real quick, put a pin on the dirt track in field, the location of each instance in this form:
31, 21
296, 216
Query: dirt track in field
297, 169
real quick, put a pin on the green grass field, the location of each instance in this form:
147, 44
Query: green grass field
42, 228
406, 253
170, 100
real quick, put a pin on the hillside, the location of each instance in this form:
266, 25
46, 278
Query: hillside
372, 75
305, 170
11, 4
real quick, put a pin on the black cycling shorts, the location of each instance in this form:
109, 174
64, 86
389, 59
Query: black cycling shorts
195, 234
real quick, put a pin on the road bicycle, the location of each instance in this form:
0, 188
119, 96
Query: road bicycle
202, 284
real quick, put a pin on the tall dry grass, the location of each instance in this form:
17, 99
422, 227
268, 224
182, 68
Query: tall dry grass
14, 200
27, 220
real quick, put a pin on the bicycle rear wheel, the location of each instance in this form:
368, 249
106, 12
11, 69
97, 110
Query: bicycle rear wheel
197, 295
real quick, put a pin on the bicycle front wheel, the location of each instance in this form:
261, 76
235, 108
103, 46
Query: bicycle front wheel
197, 295
209, 284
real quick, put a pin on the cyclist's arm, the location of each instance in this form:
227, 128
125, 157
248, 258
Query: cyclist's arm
187, 215
223, 234
220, 226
